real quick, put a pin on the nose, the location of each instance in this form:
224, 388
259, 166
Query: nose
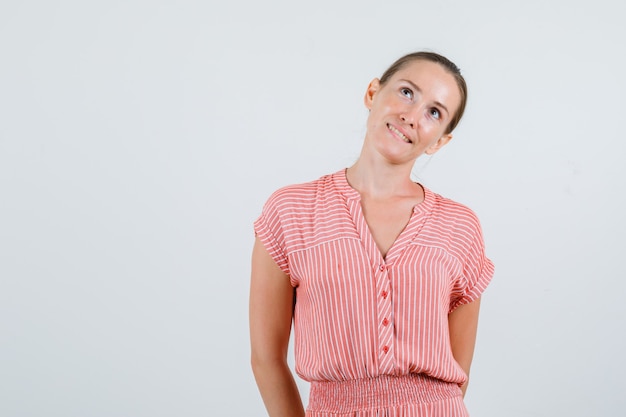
408, 118
412, 115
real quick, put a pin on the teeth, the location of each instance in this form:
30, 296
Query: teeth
397, 132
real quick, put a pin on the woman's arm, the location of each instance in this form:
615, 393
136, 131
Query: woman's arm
271, 310
463, 324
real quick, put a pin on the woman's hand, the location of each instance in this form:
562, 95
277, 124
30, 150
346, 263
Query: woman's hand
271, 312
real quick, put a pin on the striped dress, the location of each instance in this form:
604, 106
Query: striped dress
371, 333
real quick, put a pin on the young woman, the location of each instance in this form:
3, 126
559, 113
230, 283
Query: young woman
381, 277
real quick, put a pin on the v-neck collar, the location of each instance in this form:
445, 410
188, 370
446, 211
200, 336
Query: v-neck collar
417, 220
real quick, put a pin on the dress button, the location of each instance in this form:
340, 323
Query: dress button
385, 349
382, 267
384, 294
385, 322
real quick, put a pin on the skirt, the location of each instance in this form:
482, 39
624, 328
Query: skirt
413, 395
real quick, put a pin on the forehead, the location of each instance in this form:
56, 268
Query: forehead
431, 78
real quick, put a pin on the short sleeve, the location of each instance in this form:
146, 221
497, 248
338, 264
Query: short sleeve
477, 269
269, 229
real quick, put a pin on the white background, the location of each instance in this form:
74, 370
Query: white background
140, 139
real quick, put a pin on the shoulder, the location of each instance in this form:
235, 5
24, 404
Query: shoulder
452, 224
297, 197
454, 211
302, 214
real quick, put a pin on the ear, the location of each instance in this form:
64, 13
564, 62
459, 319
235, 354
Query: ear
439, 144
372, 89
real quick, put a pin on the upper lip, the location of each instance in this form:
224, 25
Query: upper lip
401, 131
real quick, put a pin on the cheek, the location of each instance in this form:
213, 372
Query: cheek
428, 127
374, 120
432, 135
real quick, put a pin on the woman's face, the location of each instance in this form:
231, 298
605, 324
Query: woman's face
409, 114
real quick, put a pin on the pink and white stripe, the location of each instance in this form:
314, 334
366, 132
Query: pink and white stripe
358, 315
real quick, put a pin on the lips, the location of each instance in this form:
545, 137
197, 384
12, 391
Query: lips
399, 133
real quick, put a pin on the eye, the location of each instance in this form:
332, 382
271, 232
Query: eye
435, 113
407, 92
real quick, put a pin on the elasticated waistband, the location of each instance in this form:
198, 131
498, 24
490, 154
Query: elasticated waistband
380, 392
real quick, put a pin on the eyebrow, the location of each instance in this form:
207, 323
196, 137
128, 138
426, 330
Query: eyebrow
420, 90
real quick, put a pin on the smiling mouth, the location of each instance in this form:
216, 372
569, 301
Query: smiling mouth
398, 133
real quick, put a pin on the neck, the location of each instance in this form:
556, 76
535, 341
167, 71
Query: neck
379, 179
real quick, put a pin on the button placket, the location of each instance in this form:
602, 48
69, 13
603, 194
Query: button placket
385, 322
